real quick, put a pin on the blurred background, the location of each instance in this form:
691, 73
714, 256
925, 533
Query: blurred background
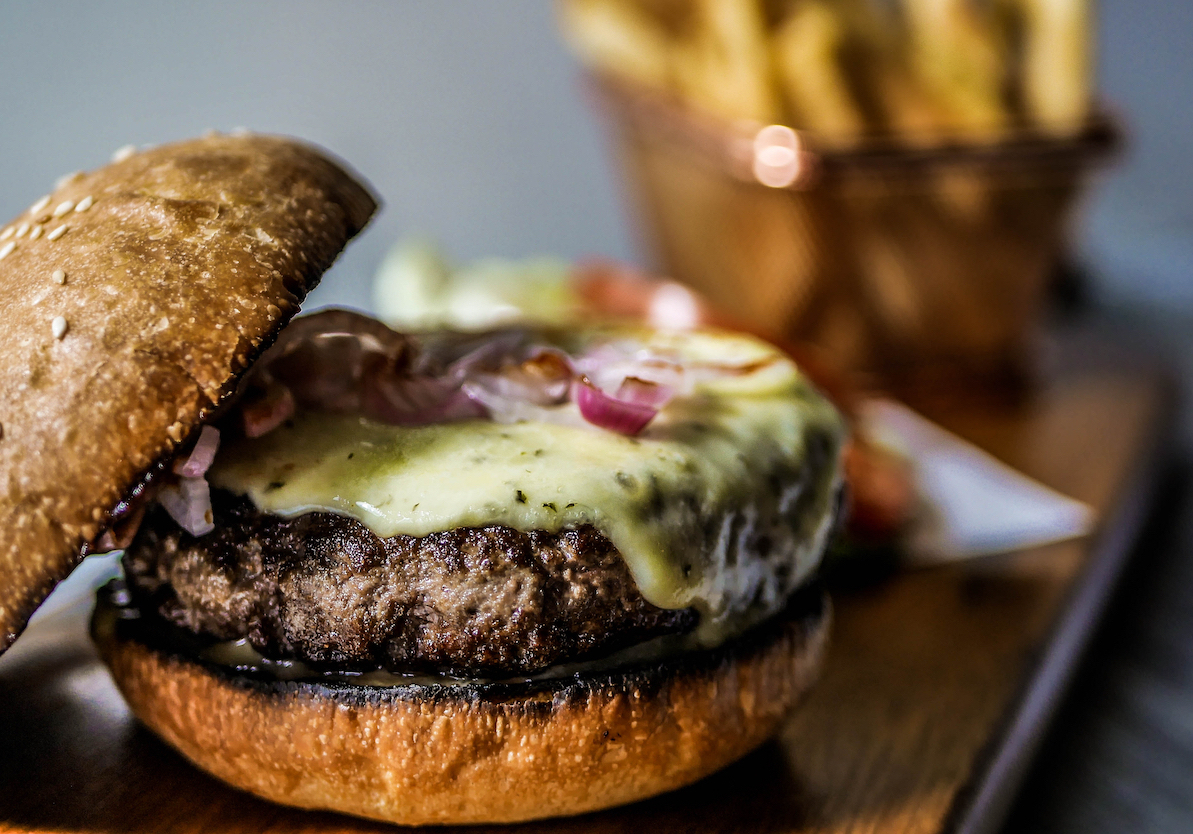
469, 119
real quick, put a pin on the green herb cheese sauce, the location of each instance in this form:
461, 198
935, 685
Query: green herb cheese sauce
742, 459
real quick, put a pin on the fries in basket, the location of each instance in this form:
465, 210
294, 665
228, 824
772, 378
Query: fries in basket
919, 71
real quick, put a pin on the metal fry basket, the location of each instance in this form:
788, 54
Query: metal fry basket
913, 266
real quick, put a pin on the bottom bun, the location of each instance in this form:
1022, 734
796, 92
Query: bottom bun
419, 754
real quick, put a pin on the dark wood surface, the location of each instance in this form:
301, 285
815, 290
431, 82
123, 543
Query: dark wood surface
936, 689
1119, 757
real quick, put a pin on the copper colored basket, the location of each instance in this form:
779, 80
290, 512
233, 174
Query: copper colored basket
912, 266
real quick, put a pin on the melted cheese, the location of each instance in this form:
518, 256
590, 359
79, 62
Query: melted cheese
723, 503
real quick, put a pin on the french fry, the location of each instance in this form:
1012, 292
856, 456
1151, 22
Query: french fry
956, 53
618, 37
724, 66
907, 110
673, 15
921, 71
1057, 63
808, 52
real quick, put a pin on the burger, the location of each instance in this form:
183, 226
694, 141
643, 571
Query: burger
427, 578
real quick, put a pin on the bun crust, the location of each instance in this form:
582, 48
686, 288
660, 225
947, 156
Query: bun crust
178, 266
450, 754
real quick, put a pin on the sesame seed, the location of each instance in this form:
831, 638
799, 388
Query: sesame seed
57, 233
7, 248
63, 207
59, 276
67, 178
124, 153
6, 234
58, 326
40, 205
35, 232
85, 203
22, 230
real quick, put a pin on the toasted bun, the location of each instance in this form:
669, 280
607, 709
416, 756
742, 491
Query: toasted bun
181, 266
445, 754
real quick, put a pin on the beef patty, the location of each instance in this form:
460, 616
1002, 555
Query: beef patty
324, 589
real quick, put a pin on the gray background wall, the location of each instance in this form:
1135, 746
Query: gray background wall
468, 117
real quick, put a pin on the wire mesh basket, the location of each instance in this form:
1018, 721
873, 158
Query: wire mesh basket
911, 266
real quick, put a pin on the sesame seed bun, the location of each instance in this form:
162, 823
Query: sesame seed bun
444, 754
133, 297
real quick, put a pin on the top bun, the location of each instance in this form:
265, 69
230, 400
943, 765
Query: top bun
132, 298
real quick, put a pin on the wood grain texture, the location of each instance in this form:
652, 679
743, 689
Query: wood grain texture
1120, 754
924, 674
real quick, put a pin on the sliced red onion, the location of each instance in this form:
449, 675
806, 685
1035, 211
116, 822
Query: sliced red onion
543, 379
342, 362
325, 372
371, 334
416, 401
603, 356
493, 352
262, 414
550, 372
505, 387
609, 364
202, 456
322, 358
608, 412
189, 503
512, 409
644, 392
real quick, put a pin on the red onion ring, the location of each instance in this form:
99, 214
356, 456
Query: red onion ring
201, 457
189, 503
644, 392
608, 412
344, 362
415, 401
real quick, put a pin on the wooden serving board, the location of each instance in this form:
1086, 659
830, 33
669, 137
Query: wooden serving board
936, 689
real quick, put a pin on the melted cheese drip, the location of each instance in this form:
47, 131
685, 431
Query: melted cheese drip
685, 502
